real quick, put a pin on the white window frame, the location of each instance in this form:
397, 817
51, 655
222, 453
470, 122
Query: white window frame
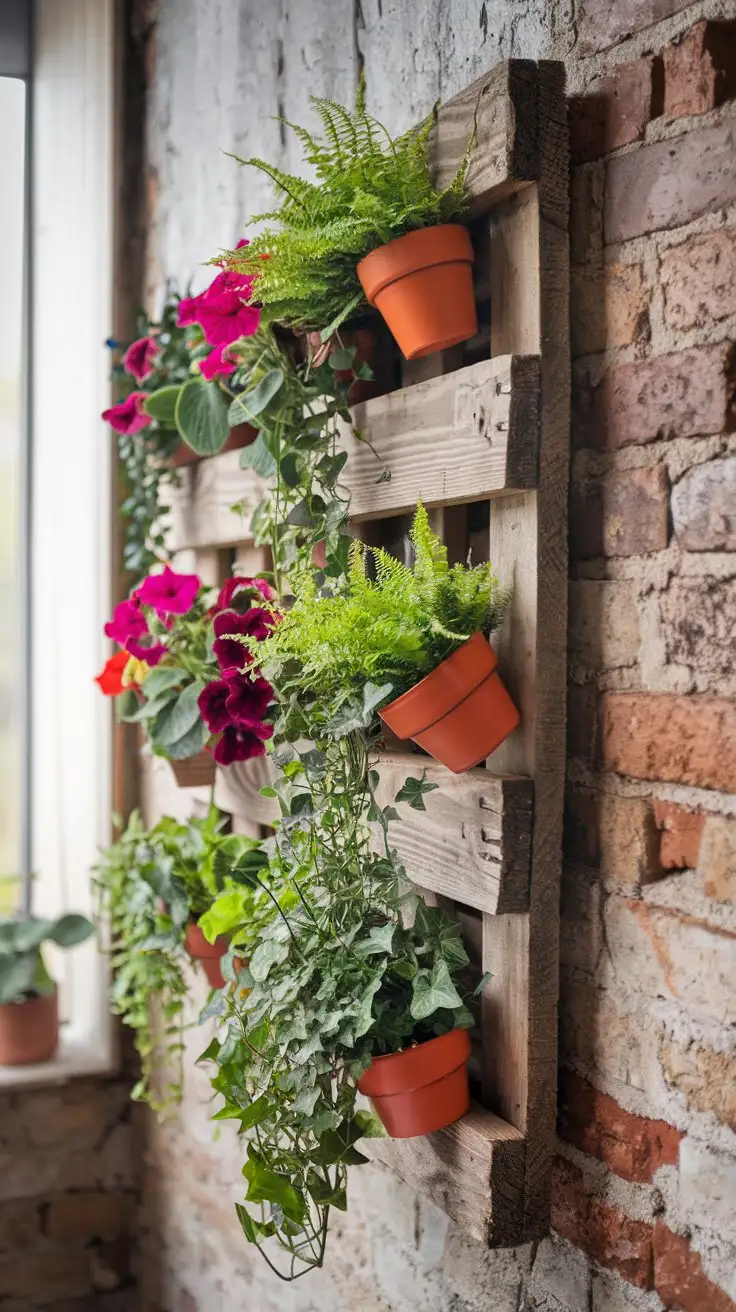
72, 144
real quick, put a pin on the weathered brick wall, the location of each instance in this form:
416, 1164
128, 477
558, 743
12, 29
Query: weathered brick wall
645, 1177
68, 1200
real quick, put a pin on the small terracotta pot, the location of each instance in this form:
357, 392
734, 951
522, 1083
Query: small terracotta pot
239, 436
365, 342
421, 1089
459, 713
195, 771
29, 1031
422, 284
208, 953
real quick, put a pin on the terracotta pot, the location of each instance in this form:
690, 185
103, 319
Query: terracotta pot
422, 284
195, 771
239, 436
365, 341
29, 1031
421, 1089
459, 713
208, 953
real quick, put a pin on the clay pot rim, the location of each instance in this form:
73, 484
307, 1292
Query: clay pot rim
204, 951
435, 679
29, 1000
422, 248
399, 1074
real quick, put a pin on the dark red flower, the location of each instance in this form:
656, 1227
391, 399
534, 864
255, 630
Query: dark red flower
239, 743
229, 653
128, 416
250, 587
212, 704
110, 679
248, 698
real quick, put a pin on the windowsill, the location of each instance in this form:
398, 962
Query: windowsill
78, 1056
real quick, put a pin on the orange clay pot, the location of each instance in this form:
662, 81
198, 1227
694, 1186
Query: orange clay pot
208, 953
195, 771
421, 1089
422, 284
29, 1031
459, 713
239, 436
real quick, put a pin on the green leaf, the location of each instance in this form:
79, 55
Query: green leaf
485, 978
161, 405
380, 939
190, 744
326, 1194
246, 407
162, 679
342, 358
31, 933
126, 706
201, 416
254, 1114
253, 1230
371, 1126
258, 458
268, 953
70, 930
178, 717
412, 791
432, 991
267, 1186
16, 977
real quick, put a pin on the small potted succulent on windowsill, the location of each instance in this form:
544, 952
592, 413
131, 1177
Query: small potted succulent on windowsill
183, 678
416, 636
29, 1004
371, 227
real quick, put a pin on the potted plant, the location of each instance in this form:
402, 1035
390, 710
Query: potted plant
182, 677
414, 640
371, 228
29, 1004
152, 887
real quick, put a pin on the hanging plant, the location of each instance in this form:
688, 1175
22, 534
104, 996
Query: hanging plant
371, 228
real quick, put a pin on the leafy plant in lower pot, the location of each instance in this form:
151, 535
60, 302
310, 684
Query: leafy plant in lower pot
371, 227
181, 676
29, 1004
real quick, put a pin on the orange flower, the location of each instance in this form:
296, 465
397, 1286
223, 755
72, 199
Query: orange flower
111, 678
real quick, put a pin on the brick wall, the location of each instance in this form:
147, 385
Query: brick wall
68, 1199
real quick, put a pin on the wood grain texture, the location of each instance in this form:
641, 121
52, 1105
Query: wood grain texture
201, 509
473, 1170
472, 844
502, 107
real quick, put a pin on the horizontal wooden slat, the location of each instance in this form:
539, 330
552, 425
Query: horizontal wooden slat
501, 107
200, 509
474, 1170
459, 437
472, 844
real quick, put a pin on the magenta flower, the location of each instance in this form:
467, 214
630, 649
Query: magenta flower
248, 699
217, 364
235, 585
170, 593
151, 655
239, 743
128, 416
229, 653
127, 622
222, 310
212, 704
139, 357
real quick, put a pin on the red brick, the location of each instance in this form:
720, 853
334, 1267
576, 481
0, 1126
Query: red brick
679, 1278
602, 23
700, 69
635, 512
687, 740
699, 281
609, 306
615, 109
51, 1274
633, 1146
606, 1233
87, 1215
670, 183
680, 835
681, 395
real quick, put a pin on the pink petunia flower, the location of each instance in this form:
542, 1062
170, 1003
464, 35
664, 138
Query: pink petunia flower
241, 743
221, 310
212, 704
127, 622
139, 357
229, 653
217, 364
239, 583
128, 416
248, 699
170, 593
151, 655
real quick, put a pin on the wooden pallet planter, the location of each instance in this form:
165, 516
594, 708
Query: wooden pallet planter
460, 432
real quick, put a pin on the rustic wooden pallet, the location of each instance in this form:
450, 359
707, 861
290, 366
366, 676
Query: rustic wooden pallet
463, 431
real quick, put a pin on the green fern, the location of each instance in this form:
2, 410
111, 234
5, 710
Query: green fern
369, 189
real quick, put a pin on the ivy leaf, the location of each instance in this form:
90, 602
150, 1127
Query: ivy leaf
325, 1194
342, 358
374, 695
161, 405
201, 416
246, 407
371, 1126
290, 470
268, 953
178, 718
258, 458
432, 991
300, 516
253, 1230
380, 939
254, 1114
412, 791
267, 1186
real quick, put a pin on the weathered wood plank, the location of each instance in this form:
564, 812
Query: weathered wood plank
473, 1170
458, 437
502, 108
472, 844
201, 509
